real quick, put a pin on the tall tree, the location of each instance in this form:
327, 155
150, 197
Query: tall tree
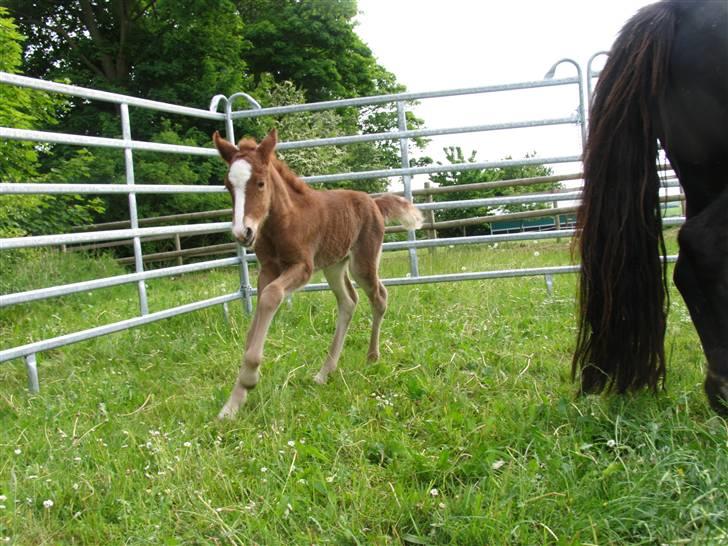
314, 45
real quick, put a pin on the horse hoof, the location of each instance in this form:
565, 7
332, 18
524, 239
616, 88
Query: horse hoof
320, 378
373, 357
226, 413
716, 388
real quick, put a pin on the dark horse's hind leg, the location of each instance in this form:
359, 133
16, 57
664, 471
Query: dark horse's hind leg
701, 275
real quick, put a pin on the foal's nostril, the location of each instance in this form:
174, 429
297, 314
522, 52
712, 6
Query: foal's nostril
248, 234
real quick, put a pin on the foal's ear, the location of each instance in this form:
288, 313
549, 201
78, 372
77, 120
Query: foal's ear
227, 149
268, 145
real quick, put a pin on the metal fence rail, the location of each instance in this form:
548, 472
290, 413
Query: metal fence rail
130, 231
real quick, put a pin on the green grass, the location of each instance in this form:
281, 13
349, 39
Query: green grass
466, 431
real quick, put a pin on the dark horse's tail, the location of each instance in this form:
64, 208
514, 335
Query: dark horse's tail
623, 298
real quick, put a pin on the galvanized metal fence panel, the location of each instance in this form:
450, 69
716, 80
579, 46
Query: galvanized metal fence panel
135, 233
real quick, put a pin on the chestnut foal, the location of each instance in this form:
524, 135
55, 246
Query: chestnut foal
296, 230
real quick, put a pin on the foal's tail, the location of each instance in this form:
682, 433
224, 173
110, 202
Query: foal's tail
394, 207
623, 299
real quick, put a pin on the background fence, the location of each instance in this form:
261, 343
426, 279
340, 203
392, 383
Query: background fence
137, 230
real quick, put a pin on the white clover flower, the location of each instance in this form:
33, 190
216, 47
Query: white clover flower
75, 486
17, 451
48, 504
537, 253
264, 469
611, 443
441, 505
2, 507
434, 492
291, 443
3, 498
329, 479
187, 444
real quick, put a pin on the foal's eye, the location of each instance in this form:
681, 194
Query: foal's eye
261, 183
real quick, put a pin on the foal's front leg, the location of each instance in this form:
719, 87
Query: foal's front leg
269, 299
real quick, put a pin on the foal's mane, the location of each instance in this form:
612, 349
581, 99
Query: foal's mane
288, 176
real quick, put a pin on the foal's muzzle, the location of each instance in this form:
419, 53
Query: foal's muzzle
246, 238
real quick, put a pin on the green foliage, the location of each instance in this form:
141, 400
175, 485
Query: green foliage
185, 52
19, 161
455, 155
297, 126
314, 45
178, 52
20, 108
57, 213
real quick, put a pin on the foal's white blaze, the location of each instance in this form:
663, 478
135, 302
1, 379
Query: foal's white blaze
239, 175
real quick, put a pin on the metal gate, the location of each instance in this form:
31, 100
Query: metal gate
580, 84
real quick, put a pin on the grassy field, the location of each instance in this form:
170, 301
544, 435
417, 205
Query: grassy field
467, 431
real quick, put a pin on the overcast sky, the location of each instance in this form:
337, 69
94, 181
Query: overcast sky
433, 45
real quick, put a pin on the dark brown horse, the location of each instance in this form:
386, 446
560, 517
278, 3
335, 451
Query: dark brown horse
666, 79
296, 230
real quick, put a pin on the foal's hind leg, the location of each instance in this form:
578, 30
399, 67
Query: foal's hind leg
364, 266
701, 275
346, 299
269, 299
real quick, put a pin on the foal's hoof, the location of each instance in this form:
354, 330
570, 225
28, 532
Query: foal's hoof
231, 407
320, 378
227, 413
373, 357
716, 388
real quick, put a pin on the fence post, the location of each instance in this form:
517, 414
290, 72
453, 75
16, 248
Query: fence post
581, 109
549, 284
133, 218
407, 180
557, 218
430, 216
590, 74
246, 290
178, 248
32, 367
